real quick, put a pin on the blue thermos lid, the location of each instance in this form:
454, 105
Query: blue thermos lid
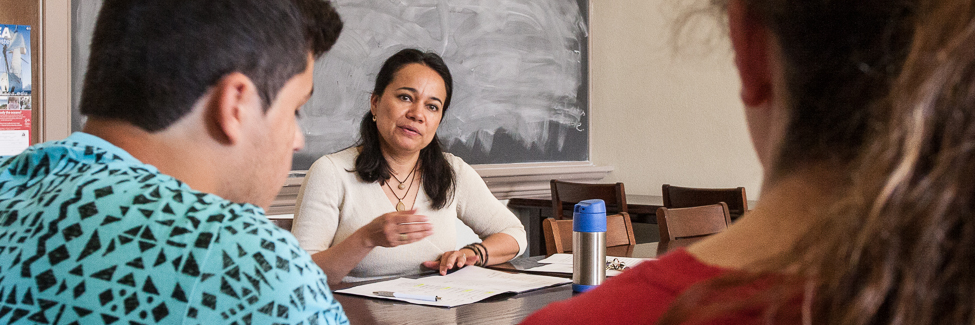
589, 216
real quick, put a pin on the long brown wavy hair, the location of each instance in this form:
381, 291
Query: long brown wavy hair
899, 247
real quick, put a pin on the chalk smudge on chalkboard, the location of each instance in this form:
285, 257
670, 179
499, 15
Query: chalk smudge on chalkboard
517, 67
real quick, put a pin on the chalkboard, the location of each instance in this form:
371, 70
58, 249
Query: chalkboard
520, 71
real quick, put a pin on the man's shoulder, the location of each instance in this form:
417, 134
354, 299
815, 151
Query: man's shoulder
245, 225
144, 236
265, 267
79, 159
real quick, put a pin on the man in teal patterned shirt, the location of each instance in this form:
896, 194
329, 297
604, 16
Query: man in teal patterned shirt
153, 213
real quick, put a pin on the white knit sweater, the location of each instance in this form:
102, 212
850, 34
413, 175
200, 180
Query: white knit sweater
333, 203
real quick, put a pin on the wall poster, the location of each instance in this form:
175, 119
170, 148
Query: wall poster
15, 89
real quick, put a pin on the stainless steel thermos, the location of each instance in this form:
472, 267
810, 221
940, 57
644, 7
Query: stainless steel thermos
588, 245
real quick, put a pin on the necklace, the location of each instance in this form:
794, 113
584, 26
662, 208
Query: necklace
400, 186
399, 204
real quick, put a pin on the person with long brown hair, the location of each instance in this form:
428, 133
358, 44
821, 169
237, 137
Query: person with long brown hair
862, 114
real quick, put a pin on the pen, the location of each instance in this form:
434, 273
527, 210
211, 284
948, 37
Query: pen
406, 295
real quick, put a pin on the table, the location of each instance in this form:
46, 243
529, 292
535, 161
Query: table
502, 309
645, 250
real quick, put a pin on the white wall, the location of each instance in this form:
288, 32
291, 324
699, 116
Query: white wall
662, 115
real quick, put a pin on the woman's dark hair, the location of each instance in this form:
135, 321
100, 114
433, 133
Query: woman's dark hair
908, 219
840, 58
899, 246
152, 60
371, 166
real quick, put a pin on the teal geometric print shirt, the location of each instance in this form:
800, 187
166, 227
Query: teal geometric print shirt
90, 235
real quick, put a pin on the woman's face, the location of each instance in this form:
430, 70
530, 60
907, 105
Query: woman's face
408, 112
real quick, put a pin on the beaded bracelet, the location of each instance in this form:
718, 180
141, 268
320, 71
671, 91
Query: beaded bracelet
476, 253
480, 251
486, 255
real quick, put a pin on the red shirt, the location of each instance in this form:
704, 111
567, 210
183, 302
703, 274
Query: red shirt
637, 296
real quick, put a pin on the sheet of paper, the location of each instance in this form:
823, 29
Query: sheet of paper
467, 285
567, 259
562, 263
449, 296
564, 268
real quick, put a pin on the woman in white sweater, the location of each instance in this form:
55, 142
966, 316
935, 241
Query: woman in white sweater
388, 205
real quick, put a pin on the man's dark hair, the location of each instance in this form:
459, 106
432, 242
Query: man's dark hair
151, 60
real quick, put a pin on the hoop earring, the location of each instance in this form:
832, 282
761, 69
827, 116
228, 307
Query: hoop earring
373, 118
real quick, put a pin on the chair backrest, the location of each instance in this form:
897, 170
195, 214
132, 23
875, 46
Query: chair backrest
692, 222
558, 233
613, 194
686, 197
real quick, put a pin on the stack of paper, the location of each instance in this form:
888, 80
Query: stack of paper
562, 263
468, 285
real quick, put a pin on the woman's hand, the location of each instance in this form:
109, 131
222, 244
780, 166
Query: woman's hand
452, 259
396, 228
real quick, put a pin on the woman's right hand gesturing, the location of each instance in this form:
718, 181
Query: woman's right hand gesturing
388, 230
397, 228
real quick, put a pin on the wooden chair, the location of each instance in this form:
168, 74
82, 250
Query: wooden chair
692, 222
613, 194
686, 197
558, 233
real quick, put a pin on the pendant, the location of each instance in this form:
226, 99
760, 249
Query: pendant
400, 206
401, 186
